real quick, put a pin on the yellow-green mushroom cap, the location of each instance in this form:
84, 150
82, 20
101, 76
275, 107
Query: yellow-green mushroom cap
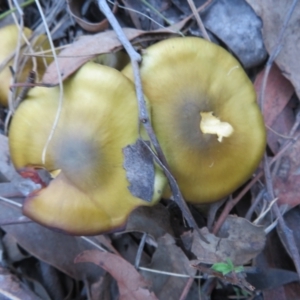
9, 40
205, 115
99, 118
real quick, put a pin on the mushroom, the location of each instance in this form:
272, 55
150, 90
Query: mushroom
117, 60
9, 39
99, 118
205, 115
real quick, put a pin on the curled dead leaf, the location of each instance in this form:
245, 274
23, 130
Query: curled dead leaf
238, 240
130, 283
75, 7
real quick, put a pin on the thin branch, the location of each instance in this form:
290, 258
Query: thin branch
198, 19
140, 250
91, 242
61, 88
187, 288
257, 200
21, 220
6, 200
144, 116
169, 273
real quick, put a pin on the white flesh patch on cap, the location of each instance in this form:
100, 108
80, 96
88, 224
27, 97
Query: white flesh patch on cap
210, 124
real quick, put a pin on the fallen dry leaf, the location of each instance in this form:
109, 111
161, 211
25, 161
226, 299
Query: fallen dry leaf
291, 219
168, 257
83, 50
154, 220
270, 278
132, 286
273, 17
287, 176
238, 240
75, 8
277, 114
280, 130
278, 92
274, 255
57, 249
89, 47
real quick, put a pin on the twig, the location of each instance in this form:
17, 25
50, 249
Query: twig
250, 211
144, 116
6, 200
204, 6
90, 241
30, 80
264, 211
140, 250
16, 58
16, 66
186, 289
61, 88
234, 201
198, 19
18, 8
22, 220
29, 83
158, 13
212, 212
160, 272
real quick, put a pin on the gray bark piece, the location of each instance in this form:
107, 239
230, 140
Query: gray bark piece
140, 172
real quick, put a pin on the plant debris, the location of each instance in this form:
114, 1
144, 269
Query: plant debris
250, 243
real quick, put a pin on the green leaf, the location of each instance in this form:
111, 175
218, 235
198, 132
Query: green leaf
223, 268
227, 267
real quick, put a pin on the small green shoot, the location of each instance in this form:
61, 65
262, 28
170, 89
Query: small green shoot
226, 268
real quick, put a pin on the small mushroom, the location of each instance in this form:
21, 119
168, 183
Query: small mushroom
99, 118
205, 115
9, 39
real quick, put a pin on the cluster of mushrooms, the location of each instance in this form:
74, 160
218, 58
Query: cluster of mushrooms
204, 113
